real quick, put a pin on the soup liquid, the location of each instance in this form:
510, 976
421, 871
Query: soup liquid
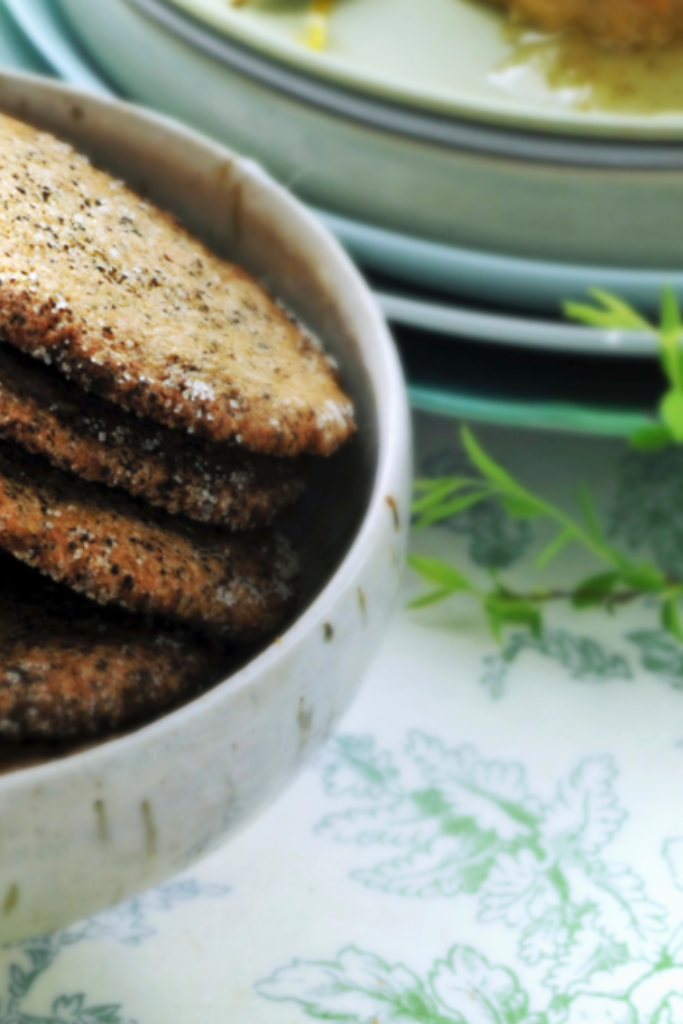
583, 75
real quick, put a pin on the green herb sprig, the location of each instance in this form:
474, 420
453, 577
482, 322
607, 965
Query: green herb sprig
620, 580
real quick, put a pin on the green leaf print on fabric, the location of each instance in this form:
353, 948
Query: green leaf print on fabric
534, 862
582, 658
459, 826
464, 988
129, 923
496, 540
661, 655
354, 769
360, 987
671, 1011
672, 851
468, 985
74, 1010
357, 986
587, 1009
648, 506
585, 813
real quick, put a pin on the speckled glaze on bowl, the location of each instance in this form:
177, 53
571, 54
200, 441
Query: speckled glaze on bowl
88, 830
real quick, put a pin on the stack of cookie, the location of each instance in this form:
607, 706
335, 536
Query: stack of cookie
153, 402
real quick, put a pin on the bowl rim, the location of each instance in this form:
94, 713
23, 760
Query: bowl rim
528, 142
389, 88
393, 433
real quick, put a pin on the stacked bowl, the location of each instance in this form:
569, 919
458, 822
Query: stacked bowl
477, 179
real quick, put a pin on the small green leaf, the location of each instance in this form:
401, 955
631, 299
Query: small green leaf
495, 623
441, 490
433, 597
591, 316
624, 314
590, 516
443, 575
670, 617
671, 411
554, 548
670, 339
647, 578
511, 611
669, 361
594, 530
651, 439
592, 592
610, 312
670, 321
450, 508
522, 507
669, 358
431, 482
485, 464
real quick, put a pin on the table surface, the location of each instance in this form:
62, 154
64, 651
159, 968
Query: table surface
494, 836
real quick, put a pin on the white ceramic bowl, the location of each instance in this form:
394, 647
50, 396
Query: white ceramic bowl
596, 209
86, 831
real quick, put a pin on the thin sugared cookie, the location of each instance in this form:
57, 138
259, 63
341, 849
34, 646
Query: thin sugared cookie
70, 669
105, 545
125, 301
83, 434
